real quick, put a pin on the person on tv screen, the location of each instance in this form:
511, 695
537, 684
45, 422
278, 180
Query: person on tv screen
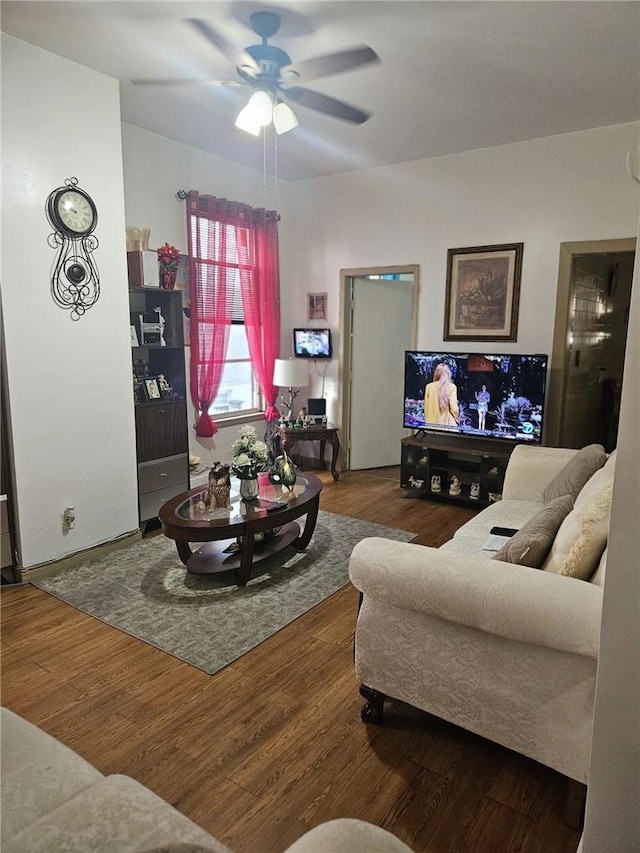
441, 399
483, 398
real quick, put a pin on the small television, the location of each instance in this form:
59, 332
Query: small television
312, 343
479, 394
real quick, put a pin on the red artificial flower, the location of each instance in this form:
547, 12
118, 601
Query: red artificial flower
168, 256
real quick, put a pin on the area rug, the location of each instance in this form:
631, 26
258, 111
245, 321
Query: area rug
206, 620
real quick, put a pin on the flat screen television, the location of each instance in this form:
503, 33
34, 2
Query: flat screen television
312, 343
487, 395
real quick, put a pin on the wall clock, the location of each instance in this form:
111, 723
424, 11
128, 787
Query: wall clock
75, 282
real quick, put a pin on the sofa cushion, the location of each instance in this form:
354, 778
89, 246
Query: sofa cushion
582, 538
470, 538
597, 578
117, 813
39, 773
532, 543
580, 468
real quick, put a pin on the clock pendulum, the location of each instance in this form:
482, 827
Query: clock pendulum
75, 282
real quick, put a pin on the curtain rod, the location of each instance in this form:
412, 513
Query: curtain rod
182, 195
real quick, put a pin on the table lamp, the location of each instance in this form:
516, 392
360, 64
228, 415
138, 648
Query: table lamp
292, 374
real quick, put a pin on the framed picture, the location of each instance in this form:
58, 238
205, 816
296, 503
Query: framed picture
134, 336
152, 389
483, 292
317, 306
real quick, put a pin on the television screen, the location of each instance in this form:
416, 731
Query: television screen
312, 343
494, 396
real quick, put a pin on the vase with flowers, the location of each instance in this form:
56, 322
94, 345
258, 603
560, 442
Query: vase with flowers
250, 457
168, 260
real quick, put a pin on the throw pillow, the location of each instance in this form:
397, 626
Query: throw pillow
600, 480
581, 539
531, 544
574, 475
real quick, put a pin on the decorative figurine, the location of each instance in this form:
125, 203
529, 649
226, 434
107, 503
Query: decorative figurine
163, 385
161, 325
436, 483
415, 484
218, 491
285, 471
454, 485
474, 492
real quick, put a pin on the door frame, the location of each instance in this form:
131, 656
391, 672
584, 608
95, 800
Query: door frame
346, 335
559, 353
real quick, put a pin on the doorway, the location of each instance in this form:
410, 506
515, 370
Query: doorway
592, 314
378, 322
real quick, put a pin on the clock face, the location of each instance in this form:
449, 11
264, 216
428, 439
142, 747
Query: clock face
76, 212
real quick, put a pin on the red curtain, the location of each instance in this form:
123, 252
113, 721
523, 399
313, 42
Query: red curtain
261, 304
216, 253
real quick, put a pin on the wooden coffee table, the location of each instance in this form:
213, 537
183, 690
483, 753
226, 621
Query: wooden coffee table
183, 522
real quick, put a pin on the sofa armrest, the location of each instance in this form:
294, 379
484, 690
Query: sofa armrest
531, 469
514, 602
348, 834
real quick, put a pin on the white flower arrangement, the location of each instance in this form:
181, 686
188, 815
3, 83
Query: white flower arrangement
250, 455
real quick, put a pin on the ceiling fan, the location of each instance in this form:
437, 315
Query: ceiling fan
272, 76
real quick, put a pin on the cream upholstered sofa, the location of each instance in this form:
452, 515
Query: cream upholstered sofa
504, 650
53, 801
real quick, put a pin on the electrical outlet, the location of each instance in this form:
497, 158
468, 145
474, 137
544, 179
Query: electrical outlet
69, 518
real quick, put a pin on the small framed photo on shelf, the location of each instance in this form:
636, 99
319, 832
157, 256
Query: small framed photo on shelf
151, 388
316, 306
134, 336
483, 292
182, 278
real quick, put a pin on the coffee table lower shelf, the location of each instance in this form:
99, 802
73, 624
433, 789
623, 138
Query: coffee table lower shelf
211, 557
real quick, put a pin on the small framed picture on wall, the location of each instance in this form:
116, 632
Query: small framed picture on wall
316, 306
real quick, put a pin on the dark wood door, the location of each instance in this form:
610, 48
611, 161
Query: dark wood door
161, 430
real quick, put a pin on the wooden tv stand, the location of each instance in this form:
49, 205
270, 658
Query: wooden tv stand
478, 463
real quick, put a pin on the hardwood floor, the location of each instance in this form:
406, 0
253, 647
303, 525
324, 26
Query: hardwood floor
273, 744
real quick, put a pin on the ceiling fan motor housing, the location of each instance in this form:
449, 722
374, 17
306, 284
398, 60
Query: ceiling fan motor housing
270, 59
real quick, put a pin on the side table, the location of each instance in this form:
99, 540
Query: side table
286, 437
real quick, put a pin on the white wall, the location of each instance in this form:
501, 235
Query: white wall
612, 822
154, 169
71, 405
541, 193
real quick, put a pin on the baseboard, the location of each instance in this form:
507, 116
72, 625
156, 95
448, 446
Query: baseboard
34, 573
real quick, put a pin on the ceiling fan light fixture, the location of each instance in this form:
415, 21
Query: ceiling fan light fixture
284, 118
261, 107
246, 121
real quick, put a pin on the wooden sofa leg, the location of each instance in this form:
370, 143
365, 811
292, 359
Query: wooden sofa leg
373, 709
574, 804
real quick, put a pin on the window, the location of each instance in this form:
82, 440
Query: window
235, 308
238, 391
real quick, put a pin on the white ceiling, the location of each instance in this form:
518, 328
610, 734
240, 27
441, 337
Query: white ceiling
453, 76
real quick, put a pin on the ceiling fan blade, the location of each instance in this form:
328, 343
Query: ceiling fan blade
239, 56
332, 63
184, 81
325, 104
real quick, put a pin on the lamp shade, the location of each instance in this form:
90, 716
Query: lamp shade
290, 373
